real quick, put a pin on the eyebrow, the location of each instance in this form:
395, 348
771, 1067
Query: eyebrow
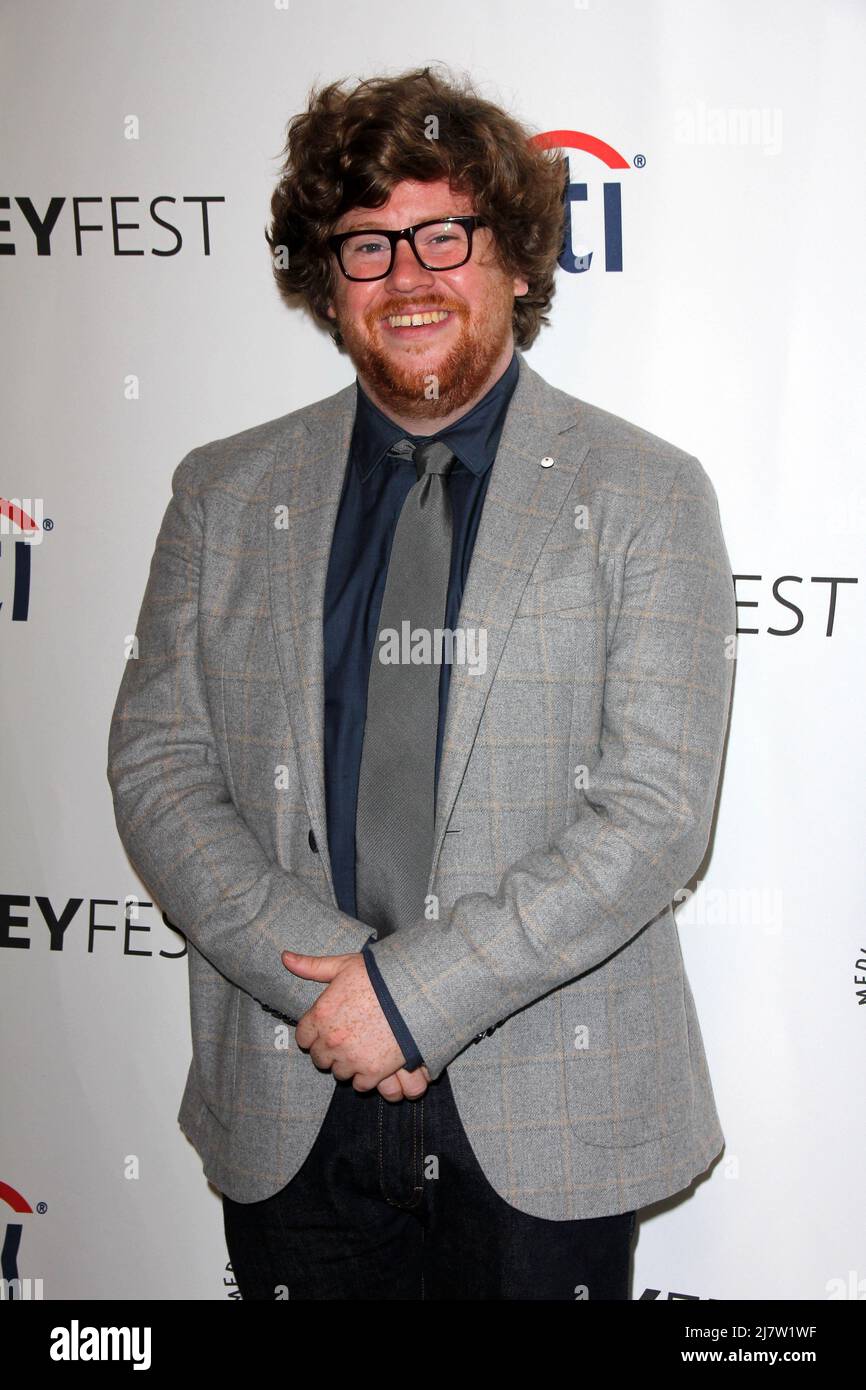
434, 217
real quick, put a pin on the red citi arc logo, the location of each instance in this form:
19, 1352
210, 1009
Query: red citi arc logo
19, 532
17, 1205
576, 144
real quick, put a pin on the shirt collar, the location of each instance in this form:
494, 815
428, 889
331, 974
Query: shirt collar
473, 438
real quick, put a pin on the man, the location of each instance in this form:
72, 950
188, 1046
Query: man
444, 1045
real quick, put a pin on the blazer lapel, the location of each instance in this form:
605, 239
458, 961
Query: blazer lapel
306, 483
522, 502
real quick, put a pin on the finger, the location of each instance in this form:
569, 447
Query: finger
322, 1057
322, 968
306, 1033
364, 1081
412, 1083
391, 1088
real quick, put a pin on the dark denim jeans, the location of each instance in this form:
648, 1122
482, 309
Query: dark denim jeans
391, 1203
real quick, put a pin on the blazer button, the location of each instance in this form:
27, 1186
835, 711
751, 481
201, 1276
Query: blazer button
312, 841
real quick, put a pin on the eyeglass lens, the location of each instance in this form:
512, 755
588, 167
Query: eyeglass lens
441, 246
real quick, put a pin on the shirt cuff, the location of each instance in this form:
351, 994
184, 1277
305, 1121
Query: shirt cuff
413, 1058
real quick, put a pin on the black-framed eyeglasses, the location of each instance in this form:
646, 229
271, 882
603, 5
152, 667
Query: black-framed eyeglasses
443, 244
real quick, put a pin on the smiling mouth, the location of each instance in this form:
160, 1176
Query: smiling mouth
425, 319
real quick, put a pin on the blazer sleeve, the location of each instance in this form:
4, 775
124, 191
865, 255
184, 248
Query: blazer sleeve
643, 822
173, 809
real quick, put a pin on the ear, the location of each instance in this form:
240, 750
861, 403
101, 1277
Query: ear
331, 311
520, 287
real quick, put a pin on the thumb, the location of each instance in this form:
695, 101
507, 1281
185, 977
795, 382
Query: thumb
312, 967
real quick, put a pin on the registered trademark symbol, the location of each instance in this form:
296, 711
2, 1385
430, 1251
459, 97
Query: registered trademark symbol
639, 161
48, 524
41, 1207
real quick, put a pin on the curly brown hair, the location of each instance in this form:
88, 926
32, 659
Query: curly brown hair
350, 148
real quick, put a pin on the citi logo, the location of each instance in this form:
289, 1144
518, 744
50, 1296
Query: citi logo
12, 1286
604, 209
22, 526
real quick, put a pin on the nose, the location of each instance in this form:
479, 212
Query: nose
407, 272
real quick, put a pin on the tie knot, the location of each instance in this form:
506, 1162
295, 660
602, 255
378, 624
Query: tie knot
434, 457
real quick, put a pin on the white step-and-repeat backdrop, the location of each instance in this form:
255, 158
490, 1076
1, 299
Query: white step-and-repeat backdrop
718, 301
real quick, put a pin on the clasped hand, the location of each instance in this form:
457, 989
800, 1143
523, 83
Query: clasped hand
346, 1032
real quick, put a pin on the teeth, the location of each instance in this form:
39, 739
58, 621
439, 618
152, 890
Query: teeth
414, 320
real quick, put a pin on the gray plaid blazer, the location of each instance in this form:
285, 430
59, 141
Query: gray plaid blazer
577, 785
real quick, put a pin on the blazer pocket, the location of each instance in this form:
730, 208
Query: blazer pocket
559, 593
214, 1011
627, 1060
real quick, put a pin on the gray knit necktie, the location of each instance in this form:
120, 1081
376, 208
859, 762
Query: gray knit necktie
396, 784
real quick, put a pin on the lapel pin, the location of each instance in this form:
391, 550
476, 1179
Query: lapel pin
547, 461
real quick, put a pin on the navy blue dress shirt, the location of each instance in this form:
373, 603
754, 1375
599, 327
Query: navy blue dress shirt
375, 487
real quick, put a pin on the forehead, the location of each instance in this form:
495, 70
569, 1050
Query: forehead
409, 202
